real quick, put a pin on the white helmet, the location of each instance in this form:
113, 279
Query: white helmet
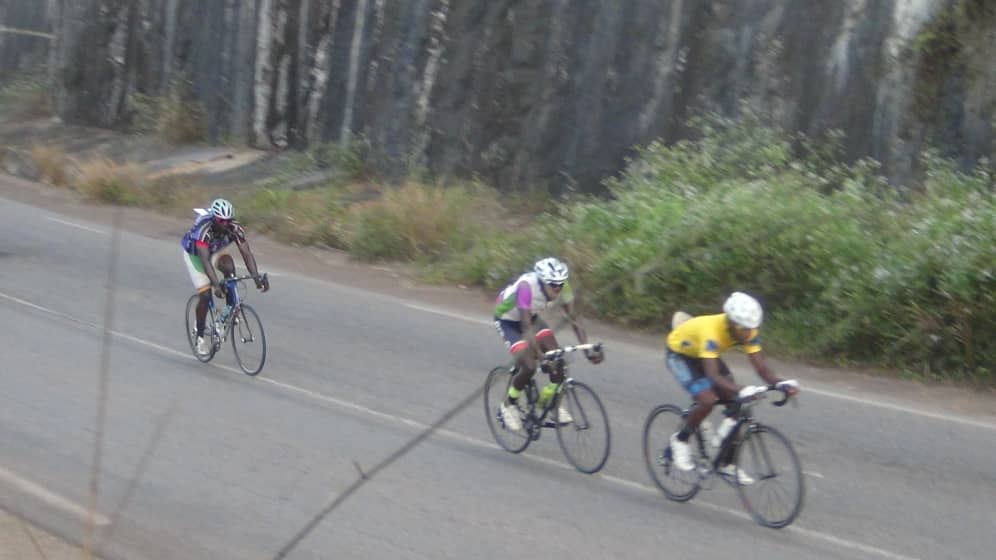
222, 209
743, 310
551, 271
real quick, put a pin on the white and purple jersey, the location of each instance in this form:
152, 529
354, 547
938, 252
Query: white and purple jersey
527, 293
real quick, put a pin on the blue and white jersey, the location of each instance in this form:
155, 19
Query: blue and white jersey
215, 239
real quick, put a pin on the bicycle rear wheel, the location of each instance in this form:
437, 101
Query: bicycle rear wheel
775, 497
677, 485
495, 390
248, 340
191, 322
586, 439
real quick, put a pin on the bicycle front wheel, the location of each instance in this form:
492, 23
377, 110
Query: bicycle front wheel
248, 340
775, 494
584, 435
677, 485
191, 322
495, 390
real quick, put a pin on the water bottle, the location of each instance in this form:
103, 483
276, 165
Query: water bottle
225, 313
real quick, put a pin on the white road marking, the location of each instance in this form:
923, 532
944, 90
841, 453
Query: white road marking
813, 474
444, 313
906, 409
51, 498
80, 226
419, 426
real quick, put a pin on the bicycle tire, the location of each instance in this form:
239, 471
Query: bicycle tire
191, 324
774, 475
677, 485
586, 420
495, 389
246, 327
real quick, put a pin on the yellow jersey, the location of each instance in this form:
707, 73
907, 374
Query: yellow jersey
708, 336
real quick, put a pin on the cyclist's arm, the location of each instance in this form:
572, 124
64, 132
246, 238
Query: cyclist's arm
569, 311
711, 368
765, 372
250, 260
762, 369
247, 255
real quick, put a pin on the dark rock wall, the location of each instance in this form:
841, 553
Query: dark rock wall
20, 48
527, 92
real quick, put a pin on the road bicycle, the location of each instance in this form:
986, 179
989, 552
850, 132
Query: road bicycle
238, 321
585, 439
767, 473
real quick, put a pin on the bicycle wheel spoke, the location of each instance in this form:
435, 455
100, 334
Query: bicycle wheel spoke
586, 439
677, 485
774, 497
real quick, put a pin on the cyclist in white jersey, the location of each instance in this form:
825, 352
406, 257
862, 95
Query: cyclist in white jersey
527, 335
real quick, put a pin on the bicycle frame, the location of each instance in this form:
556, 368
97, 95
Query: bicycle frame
232, 288
728, 447
557, 359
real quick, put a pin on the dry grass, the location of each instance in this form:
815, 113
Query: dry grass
170, 116
418, 221
106, 181
52, 163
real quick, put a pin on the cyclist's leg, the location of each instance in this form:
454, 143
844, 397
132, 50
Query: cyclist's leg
689, 374
724, 370
225, 264
547, 340
525, 361
202, 284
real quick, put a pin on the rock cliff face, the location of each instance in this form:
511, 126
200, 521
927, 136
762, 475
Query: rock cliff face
24, 29
538, 91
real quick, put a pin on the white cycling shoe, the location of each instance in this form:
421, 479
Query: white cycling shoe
511, 416
203, 346
681, 453
564, 417
743, 478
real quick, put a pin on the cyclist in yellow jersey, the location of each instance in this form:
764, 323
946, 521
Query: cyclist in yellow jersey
693, 356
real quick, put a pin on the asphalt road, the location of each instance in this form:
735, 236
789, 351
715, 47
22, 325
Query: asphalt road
200, 461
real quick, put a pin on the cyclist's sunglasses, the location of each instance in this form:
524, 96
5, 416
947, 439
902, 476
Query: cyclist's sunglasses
555, 284
223, 221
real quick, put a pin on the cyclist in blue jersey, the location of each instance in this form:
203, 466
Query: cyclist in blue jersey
206, 247
527, 335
